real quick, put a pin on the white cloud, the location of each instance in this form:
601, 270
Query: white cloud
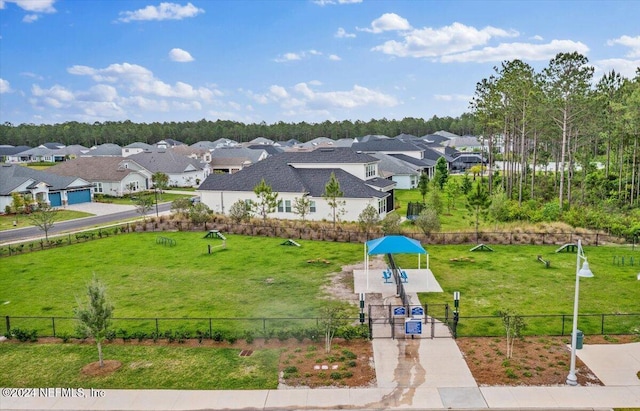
303, 99
537, 37
429, 42
388, 22
334, 57
452, 97
165, 11
5, 86
179, 55
30, 18
286, 57
632, 42
510, 51
342, 34
626, 68
34, 6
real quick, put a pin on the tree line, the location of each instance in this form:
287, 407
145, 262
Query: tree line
589, 130
126, 132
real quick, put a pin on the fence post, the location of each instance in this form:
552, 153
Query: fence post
210, 329
157, 328
8, 323
53, 325
602, 325
370, 324
446, 312
562, 332
264, 324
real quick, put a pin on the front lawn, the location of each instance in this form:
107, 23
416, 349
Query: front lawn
22, 220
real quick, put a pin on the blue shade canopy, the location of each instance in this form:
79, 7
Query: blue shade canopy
394, 244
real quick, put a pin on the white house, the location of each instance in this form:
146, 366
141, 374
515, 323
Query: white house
305, 174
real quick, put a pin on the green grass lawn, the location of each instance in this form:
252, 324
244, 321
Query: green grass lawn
143, 367
6, 221
165, 197
253, 277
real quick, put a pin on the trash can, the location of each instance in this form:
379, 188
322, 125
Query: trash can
579, 339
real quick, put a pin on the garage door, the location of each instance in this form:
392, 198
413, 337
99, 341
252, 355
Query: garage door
79, 196
55, 199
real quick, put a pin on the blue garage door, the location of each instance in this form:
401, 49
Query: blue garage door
79, 196
55, 199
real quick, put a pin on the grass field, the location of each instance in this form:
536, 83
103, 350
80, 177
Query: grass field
6, 221
143, 367
256, 277
252, 277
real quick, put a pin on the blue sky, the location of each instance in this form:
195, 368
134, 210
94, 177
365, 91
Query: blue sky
291, 61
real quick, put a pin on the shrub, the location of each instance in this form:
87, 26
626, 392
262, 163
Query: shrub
24, 335
335, 376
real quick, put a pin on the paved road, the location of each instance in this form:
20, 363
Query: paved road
128, 213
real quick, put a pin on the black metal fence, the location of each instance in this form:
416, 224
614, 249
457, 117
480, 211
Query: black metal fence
467, 326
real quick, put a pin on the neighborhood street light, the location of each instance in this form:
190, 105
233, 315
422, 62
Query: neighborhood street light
585, 271
156, 192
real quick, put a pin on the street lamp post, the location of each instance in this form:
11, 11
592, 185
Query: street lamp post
156, 192
585, 271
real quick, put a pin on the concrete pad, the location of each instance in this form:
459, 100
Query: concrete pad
116, 400
421, 280
230, 399
613, 364
155, 400
200, 400
328, 398
385, 357
279, 399
462, 397
365, 397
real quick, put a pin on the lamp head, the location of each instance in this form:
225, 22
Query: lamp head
585, 271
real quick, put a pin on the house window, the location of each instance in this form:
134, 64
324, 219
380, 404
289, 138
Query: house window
382, 206
284, 206
98, 188
370, 170
312, 206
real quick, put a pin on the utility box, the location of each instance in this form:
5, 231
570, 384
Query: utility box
579, 339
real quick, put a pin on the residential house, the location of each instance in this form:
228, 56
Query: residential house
403, 170
464, 161
305, 174
466, 143
232, 159
135, 148
11, 154
168, 143
389, 146
104, 150
107, 174
41, 186
201, 154
181, 170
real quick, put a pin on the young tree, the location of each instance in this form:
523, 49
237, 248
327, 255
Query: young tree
94, 316
513, 324
391, 224
442, 172
331, 194
17, 204
423, 185
368, 219
451, 192
434, 200
466, 185
44, 217
478, 202
144, 203
238, 212
332, 319
181, 206
199, 213
267, 199
302, 206
160, 181
428, 221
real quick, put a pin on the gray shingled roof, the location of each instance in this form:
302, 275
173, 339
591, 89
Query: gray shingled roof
423, 163
107, 149
94, 169
329, 155
165, 161
391, 165
385, 145
283, 177
12, 176
11, 150
141, 145
253, 155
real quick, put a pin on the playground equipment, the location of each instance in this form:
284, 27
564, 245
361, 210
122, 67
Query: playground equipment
622, 260
221, 246
166, 241
215, 234
546, 263
291, 242
481, 247
570, 248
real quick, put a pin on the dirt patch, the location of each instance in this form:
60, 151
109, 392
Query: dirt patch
349, 364
94, 369
536, 361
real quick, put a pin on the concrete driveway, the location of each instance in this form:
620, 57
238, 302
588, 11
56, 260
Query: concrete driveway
99, 208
